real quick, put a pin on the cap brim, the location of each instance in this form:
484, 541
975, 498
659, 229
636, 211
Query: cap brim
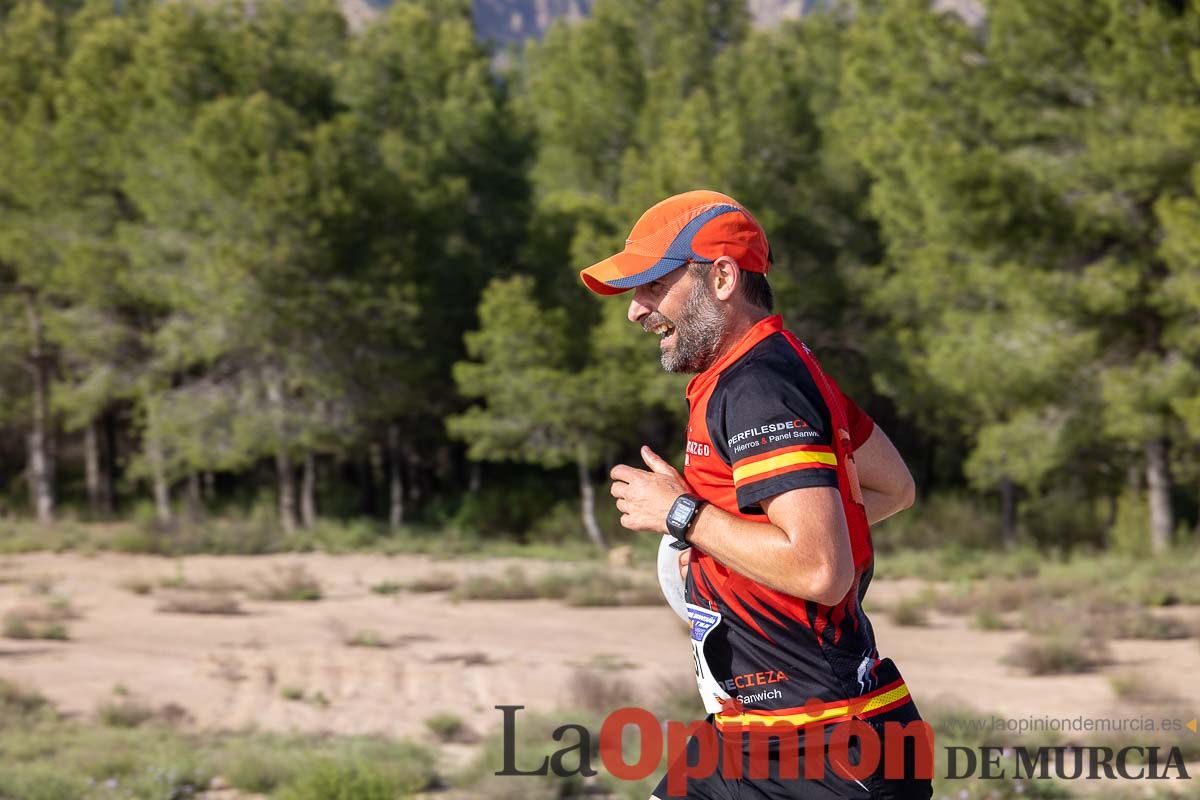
623, 271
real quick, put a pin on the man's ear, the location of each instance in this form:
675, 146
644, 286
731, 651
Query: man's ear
726, 277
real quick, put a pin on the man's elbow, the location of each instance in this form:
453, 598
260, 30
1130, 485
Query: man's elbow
907, 494
829, 583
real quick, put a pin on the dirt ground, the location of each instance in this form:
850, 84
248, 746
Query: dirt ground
233, 672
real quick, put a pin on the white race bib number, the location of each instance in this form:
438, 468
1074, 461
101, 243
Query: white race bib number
703, 623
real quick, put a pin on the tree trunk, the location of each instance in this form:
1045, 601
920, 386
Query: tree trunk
283, 459
92, 468
210, 487
287, 490
40, 466
108, 464
474, 477
1158, 485
587, 502
195, 497
308, 491
158, 474
395, 478
1008, 512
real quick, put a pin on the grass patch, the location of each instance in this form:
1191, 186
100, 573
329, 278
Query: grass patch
45, 619
291, 583
138, 586
449, 727
514, 584
139, 756
912, 611
358, 637
1142, 623
186, 601
1058, 653
1135, 688
125, 714
18, 628
986, 619
17, 703
596, 586
367, 638
434, 582
386, 587
349, 779
600, 692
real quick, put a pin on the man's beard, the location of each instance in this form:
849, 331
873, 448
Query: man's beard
699, 330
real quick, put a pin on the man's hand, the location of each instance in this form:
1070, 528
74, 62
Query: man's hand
644, 498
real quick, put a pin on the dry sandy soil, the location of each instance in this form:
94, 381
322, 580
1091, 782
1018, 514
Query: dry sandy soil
464, 658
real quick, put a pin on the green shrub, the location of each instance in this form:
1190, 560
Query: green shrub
18, 702
199, 602
139, 586
1058, 653
290, 583
40, 782
354, 778
1136, 688
988, 620
561, 523
126, 714
1141, 623
446, 727
261, 764
910, 613
513, 585
434, 582
20, 626
960, 520
367, 638
138, 540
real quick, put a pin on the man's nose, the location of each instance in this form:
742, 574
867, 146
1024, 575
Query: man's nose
638, 310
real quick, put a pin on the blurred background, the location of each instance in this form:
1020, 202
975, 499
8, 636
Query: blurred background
305, 417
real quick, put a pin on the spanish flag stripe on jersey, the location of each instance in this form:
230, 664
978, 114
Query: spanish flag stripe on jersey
868, 705
781, 471
751, 467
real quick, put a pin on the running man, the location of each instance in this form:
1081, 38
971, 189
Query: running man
783, 475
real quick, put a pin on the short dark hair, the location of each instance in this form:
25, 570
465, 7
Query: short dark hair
754, 287
757, 291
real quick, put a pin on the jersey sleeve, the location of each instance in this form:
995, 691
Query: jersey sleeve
776, 433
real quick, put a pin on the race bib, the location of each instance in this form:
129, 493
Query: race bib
703, 623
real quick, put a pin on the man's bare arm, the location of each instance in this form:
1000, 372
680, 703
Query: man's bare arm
887, 485
804, 550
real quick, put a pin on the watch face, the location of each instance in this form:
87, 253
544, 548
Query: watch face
680, 513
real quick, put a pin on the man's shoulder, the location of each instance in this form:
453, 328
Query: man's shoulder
770, 366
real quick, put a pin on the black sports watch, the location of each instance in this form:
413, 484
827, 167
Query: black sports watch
680, 518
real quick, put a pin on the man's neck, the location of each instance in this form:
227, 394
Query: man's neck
740, 324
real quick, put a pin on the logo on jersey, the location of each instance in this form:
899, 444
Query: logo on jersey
752, 679
792, 428
698, 448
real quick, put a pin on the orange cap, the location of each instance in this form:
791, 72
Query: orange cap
693, 227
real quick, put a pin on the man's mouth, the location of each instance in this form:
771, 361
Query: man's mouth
665, 332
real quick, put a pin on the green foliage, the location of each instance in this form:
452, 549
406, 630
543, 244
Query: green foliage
236, 240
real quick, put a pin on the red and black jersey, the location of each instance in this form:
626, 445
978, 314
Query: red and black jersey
763, 421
